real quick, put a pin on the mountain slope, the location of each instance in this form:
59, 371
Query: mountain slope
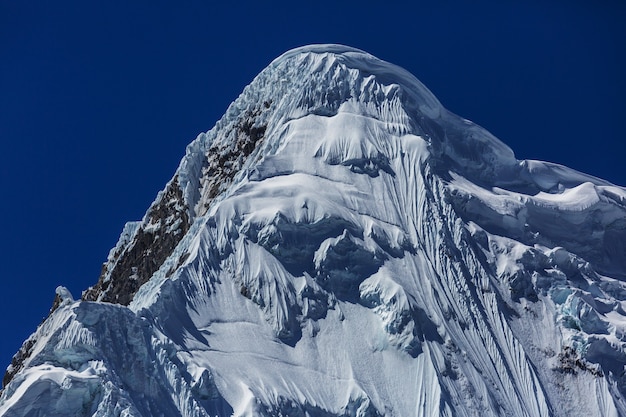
340, 244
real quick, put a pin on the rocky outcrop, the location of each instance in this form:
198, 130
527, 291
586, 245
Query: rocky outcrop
163, 227
225, 159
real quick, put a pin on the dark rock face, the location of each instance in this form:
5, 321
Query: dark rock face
166, 223
225, 160
17, 361
168, 220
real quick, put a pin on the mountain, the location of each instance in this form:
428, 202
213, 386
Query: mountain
339, 244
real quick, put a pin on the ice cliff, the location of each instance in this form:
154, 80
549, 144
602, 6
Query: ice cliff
340, 244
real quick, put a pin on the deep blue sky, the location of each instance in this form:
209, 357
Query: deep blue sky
98, 100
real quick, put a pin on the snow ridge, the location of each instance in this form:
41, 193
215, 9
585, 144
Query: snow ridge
352, 249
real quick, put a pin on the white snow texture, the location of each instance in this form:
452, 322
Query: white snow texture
374, 255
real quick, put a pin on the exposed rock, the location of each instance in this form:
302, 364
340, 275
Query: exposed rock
224, 160
571, 363
164, 226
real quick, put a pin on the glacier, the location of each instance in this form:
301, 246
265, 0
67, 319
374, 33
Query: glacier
340, 244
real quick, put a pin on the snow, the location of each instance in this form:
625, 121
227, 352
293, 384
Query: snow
373, 255
64, 294
54, 391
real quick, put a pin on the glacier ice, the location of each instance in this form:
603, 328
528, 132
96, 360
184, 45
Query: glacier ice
340, 244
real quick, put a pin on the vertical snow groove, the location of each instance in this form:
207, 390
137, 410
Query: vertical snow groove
507, 367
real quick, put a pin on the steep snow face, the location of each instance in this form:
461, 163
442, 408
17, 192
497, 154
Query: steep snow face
344, 246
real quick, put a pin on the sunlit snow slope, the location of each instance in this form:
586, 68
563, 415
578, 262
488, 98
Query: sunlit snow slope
339, 244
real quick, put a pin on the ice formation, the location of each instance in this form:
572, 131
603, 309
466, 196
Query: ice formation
339, 244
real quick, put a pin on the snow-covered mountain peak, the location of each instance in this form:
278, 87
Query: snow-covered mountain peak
326, 58
339, 244
323, 81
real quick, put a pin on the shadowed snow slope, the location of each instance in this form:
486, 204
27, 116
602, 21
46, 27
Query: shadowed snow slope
339, 244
